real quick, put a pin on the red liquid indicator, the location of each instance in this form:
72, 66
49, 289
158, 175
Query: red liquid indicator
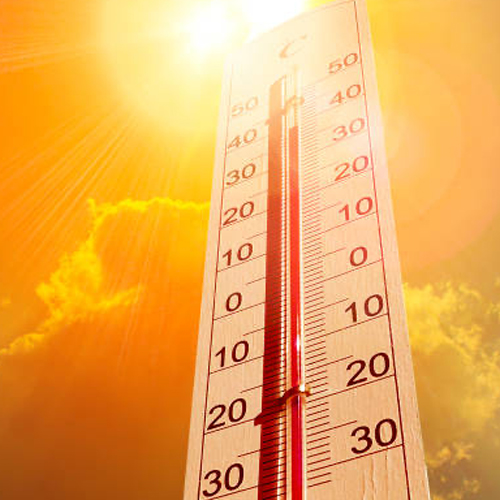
282, 417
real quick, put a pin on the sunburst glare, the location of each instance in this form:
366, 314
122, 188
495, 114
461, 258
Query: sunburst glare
209, 28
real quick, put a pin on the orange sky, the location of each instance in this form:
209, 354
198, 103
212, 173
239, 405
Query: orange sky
108, 126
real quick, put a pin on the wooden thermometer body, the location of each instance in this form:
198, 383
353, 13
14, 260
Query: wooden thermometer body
304, 384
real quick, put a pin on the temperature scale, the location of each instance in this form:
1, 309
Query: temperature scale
304, 385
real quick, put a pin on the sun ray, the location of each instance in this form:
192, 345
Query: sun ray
31, 36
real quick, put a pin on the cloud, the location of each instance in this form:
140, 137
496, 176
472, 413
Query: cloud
101, 212
76, 290
457, 370
458, 376
466, 488
99, 394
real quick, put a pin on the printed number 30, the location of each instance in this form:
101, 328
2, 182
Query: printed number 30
233, 477
363, 435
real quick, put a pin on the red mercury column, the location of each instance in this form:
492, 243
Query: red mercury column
298, 389
273, 452
281, 471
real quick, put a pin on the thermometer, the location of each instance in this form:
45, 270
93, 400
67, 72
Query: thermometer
304, 384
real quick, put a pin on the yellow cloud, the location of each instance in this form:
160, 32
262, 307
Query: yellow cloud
466, 487
100, 212
457, 371
76, 290
451, 455
458, 378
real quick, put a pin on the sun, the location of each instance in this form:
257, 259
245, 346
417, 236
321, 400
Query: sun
213, 24
166, 57
209, 27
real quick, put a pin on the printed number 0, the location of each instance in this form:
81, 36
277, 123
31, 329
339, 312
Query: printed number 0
234, 301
